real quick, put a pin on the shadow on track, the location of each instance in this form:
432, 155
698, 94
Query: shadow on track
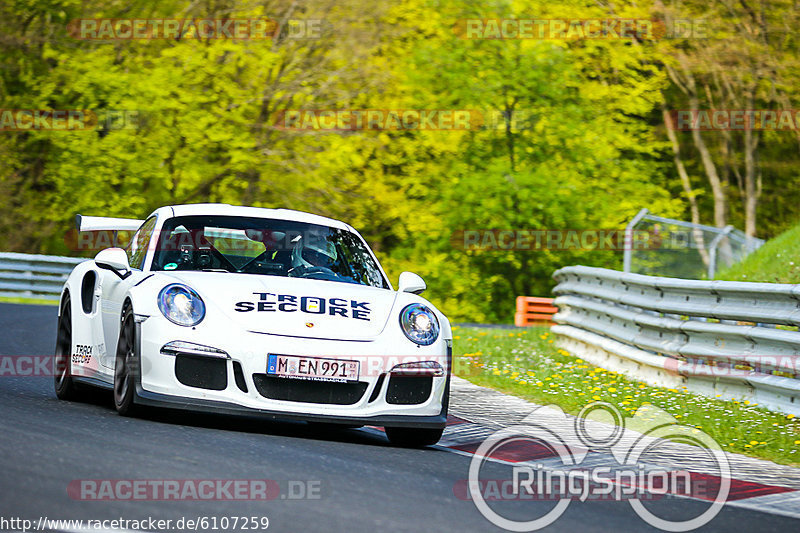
240, 423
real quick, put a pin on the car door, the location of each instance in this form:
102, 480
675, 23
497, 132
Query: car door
114, 288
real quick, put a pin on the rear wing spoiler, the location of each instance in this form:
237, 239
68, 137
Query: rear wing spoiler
85, 223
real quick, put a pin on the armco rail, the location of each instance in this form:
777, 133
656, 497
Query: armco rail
34, 276
735, 339
534, 311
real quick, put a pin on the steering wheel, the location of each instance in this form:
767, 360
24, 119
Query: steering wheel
317, 271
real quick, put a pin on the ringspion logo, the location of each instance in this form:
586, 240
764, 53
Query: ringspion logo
627, 477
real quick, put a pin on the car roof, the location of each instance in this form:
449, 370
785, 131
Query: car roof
244, 211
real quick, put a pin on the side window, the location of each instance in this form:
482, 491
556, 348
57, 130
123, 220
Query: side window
137, 249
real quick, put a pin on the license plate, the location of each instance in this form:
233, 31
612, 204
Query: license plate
313, 368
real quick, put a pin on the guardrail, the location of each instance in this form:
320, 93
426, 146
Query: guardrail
534, 311
34, 276
734, 339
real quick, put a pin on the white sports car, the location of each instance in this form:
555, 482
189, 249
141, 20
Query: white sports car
244, 310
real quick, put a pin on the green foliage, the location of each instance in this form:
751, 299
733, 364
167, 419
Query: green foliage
778, 261
525, 362
571, 137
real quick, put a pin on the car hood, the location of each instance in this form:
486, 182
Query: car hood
292, 306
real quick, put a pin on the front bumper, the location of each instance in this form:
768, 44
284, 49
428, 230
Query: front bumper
224, 408
158, 385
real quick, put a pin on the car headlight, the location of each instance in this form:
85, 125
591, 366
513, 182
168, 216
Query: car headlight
419, 324
181, 305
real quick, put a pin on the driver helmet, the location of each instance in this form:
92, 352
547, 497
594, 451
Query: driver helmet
312, 250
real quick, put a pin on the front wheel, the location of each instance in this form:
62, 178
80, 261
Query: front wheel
124, 382
413, 437
64, 385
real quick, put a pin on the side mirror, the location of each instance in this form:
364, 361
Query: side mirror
410, 282
115, 260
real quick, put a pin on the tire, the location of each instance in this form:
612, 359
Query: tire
66, 389
124, 367
413, 437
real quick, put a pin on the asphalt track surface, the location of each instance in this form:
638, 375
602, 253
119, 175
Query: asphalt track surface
364, 483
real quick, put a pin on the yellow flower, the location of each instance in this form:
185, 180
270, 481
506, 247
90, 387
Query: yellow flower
753, 442
596, 398
496, 372
789, 416
612, 389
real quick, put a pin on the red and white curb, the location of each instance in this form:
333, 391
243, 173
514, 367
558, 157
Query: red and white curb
754, 484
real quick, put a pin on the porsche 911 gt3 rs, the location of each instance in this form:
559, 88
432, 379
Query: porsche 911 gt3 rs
253, 311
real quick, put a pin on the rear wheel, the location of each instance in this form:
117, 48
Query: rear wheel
124, 366
413, 437
64, 385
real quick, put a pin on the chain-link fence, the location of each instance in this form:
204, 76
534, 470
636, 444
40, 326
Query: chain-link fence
660, 246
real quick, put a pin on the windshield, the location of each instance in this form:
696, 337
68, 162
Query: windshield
265, 246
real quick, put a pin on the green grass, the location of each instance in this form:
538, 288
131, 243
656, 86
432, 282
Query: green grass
16, 300
527, 364
778, 261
